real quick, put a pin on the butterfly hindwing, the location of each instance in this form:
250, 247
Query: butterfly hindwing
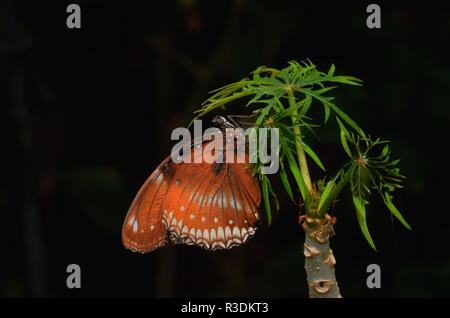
208, 205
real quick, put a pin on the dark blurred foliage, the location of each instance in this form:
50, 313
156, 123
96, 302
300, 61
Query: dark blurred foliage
86, 116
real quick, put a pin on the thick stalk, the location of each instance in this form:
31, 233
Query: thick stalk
319, 258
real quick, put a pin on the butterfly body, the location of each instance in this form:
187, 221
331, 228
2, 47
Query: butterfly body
211, 204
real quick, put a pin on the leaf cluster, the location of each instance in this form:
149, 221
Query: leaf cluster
283, 99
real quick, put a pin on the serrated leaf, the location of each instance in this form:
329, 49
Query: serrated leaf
346, 80
336, 109
395, 211
344, 134
361, 216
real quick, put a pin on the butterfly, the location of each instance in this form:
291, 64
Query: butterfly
214, 205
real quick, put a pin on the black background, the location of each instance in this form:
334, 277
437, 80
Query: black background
87, 113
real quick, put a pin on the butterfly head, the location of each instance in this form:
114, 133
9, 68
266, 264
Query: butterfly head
221, 122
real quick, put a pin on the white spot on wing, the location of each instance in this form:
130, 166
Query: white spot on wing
227, 233
152, 227
135, 227
216, 220
232, 202
224, 202
220, 234
206, 234
213, 235
238, 205
130, 222
192, 232
191, 216
231, 221
160, 178
236, 232
219, 201
203, 219
182, 208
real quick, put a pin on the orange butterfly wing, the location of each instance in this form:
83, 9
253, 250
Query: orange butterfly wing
212, 205
142, 229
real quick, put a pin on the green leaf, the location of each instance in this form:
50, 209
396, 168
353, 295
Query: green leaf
342, 114
326, 192
256, 98
311, 153
297, 175
262, 115
346, 80
337, 189
394, 210
287, 112
385, 151
265, 193
285, 181
324, 90
277, 203
361, 215
331, 71
306, 105
344, 135
360, 203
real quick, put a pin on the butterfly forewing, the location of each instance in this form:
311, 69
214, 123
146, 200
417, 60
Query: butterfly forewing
142, 229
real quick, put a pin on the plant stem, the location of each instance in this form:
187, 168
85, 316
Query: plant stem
319, 258
300, 151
